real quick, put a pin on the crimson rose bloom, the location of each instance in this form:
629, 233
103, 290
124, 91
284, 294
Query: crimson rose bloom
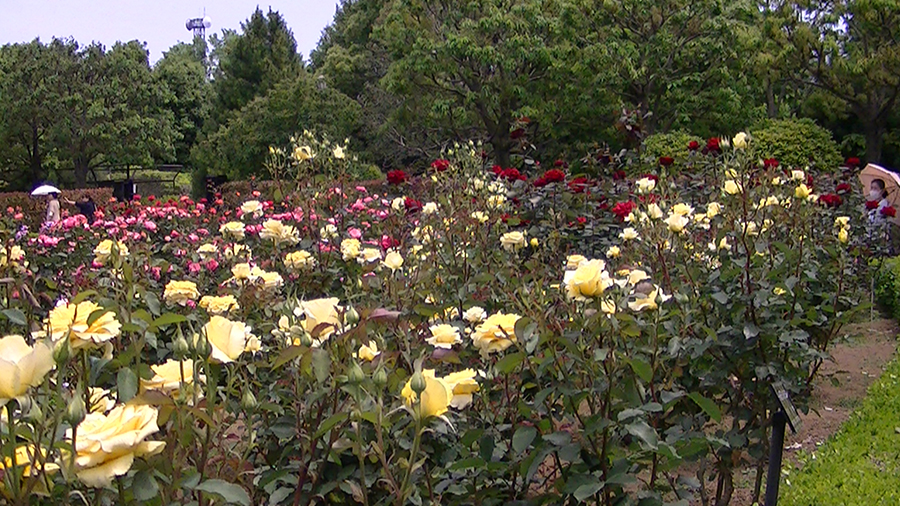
831, 200
554, 175
396, 176
496, 169
511, 174
561, 163
712, 145
618, 175
853, 162
871, 204
770, 163
888, 211
412, 205
665, 161
623, 209
440, 165
579, 184
693, 145
843, 188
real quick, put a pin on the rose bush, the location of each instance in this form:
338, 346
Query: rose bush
475, 335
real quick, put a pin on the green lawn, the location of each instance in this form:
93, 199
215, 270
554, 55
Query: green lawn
860, 465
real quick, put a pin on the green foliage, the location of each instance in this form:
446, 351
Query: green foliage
887, 286
797, 144
187, 92
859, 464
671, 144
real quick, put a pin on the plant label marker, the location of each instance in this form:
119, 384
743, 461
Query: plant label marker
785, 414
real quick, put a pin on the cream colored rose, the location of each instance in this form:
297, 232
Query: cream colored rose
104, 250
479, 216
219, 305
496, 333
167, 378
677, 222
322, 314
731, 187
271, 280
398, 204
328, 231
72, 320
512, 241
649, 301
654, 211
629, 234
107, 445
443, 336
22, 366
180, 292
462, 384
842, 222
475, 314
740, 140
574, 261
350, 248
226, 338
429, 208
682, 209
588, 281
393, 260
368, 352
613, 252
252, 207
368, 256
299, 260
279, 233
101, 400
237, 251
645, 185
338, 153
207, 251
232, 229
303, 153
798, 175
436, 397
241, 272
713, 209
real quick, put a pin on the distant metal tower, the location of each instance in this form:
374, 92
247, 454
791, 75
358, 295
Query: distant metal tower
199, 26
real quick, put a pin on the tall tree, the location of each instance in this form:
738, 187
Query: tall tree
187, 93
253, 62
472, 66
112, 110
851, 49
30, 101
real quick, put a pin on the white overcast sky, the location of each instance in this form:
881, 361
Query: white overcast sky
159, 23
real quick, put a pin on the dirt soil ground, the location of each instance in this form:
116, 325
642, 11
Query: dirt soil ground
858, 360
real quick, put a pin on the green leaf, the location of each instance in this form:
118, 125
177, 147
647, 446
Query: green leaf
168, 319
643, 432
509, 363
229, 492
709, 407
470, 463
588, 490
720, 297
329, 423
126, 385
144, 486
82, 296
15, 316
152, 302
286, 355
642, 369
321, 363
523, 438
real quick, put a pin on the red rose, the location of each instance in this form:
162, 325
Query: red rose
623, 209
561, 163
517, 133
809, 180
578, 184
888, 211
853, 162
511, 174
843, 188
770, 163
440, 165
831, 200
496, 169
693, 145
412, 205
712, 145
554, 176
618, 175
541, 182
665, 161
871, 204
652, 177
396, 177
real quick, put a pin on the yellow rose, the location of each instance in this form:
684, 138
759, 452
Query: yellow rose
462, 384
322, 314
207, 251
798, 175
636, 276
22, 366
232, 229
682, 209
751, 228
479, 216
779, 291
608, 306
496, 201
731, 187
237, 251
252, 207
393, 260
534, 242
398, 204
104, 250
338, 153
645, 185
368, 256
677, 222
299, 260
613, 252
180, 292
654, 211
842, 222
443, 336
328, 231
713, 209
429, 208
512, 241
15, 255
723, 244
589, 280
279, 233
303, 153
629, 234
740, 140
350, 248
496, 333
843, 236
648, 301
271, 280
802, 191
436, 397
368, 352
226, 338
254, 345
167, 377
474, 314
241, 272
27, 456
72, 320
219, 305
574, 261
107, 445
101, 400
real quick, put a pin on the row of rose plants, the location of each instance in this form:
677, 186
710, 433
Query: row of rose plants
468, 336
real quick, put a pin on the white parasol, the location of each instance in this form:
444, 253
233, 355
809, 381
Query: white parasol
45, 190
891, 184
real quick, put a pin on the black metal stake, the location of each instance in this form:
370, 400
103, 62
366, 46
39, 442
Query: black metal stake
776, 449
